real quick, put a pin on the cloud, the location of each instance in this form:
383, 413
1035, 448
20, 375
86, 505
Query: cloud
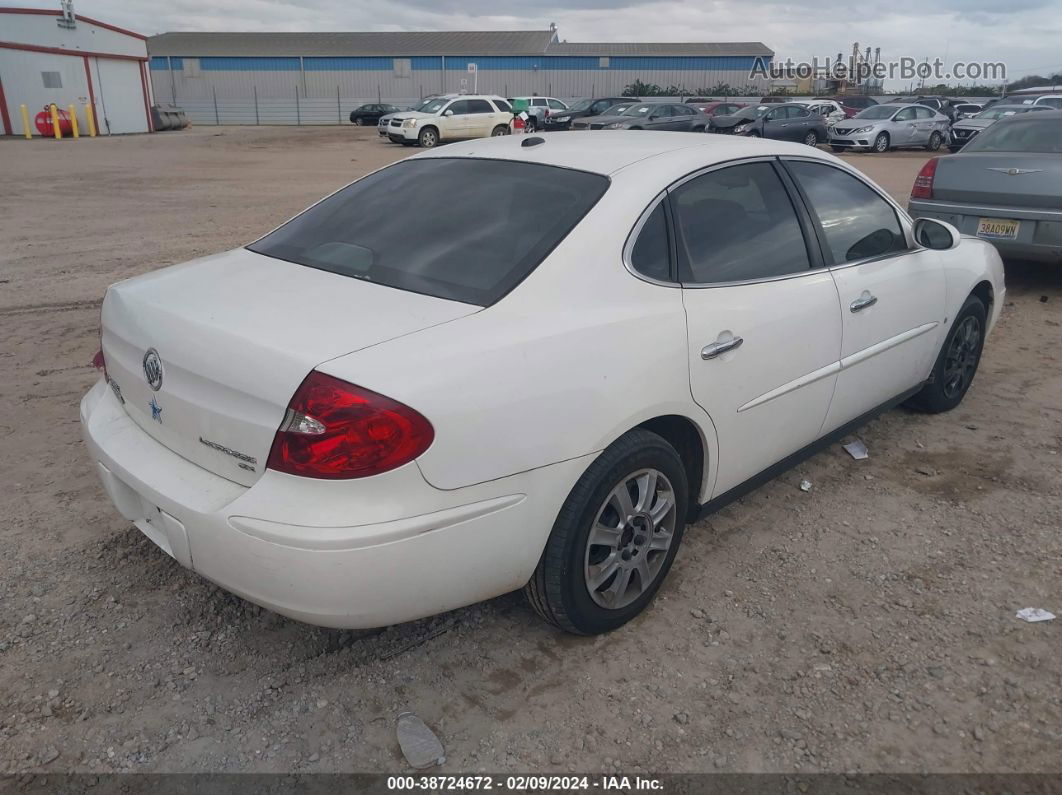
1022, 33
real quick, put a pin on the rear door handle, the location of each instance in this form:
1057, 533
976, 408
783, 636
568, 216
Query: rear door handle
719, 348
863, 302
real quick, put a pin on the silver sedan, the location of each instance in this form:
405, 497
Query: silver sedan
880, 128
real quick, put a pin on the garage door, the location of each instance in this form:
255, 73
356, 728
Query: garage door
119, 96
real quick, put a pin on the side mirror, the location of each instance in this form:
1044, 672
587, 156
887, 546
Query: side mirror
934, 234
448, 113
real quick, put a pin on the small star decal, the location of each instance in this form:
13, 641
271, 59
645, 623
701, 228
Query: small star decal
156, 411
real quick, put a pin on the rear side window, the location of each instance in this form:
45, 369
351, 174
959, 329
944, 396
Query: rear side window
498, 221
503, 106
479, 106
737, 224
858, 223
650, 253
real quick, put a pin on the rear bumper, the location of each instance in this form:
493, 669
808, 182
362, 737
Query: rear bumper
1039, 233
341, 553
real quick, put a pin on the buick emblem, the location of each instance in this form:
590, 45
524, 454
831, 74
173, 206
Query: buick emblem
153, 369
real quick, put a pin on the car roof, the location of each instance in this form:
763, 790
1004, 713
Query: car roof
609, 151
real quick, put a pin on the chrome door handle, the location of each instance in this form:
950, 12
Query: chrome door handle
862, 303
719, 348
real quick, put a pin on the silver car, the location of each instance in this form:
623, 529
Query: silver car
1005, 186
880, 128
962, 132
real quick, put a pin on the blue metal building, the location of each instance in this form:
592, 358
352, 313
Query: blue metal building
316, 78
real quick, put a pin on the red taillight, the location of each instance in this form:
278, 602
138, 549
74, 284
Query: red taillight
99, 362
336, 430
923, 184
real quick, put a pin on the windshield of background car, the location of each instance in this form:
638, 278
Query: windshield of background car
434, 106
996, 113
641, 109
616, 110
877, 112
1027, 133
581, 104
752, 112
498, 221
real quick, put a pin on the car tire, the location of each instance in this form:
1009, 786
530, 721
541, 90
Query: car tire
811, 139
357, 121
837, 148
957, 361
501, 129
935, 142
753, 134
428, 138
881, 144
530, 125
561, 589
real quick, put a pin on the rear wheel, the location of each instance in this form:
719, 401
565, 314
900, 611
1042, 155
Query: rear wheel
530, 125
881, 143
812, 138
957, 362
428, 137
501, 129
615, 537
935, 141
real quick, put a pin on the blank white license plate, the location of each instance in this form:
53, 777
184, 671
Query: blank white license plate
998, 228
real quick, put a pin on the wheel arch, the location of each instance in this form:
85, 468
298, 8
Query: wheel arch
986, 292
689, 441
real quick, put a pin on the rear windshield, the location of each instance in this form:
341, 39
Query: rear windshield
458, 228
1025, 133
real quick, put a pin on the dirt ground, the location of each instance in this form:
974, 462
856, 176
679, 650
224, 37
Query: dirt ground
867, 625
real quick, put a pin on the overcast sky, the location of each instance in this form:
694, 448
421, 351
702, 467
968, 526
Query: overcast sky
1025, 34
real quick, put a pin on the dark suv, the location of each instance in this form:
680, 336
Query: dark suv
941, 105
583, 107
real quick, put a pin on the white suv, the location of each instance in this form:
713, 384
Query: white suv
452, 118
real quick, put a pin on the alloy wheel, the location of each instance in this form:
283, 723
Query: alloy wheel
811, 139
630, 538
960, 361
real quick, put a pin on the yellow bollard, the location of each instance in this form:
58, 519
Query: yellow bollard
91, 118
73, 120
55, 121
25, 122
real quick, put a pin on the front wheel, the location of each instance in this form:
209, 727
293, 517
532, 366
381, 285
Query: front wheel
357, 121
957, 361
428, 137
812, 138
615, 537
881, 143
501, 129
935, 142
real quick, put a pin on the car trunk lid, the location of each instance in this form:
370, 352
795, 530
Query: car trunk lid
236, 333
1000, 179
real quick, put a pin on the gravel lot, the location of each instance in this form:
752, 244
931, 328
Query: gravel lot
867, 625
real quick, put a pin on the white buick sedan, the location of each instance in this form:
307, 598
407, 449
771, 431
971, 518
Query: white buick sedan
522, 362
